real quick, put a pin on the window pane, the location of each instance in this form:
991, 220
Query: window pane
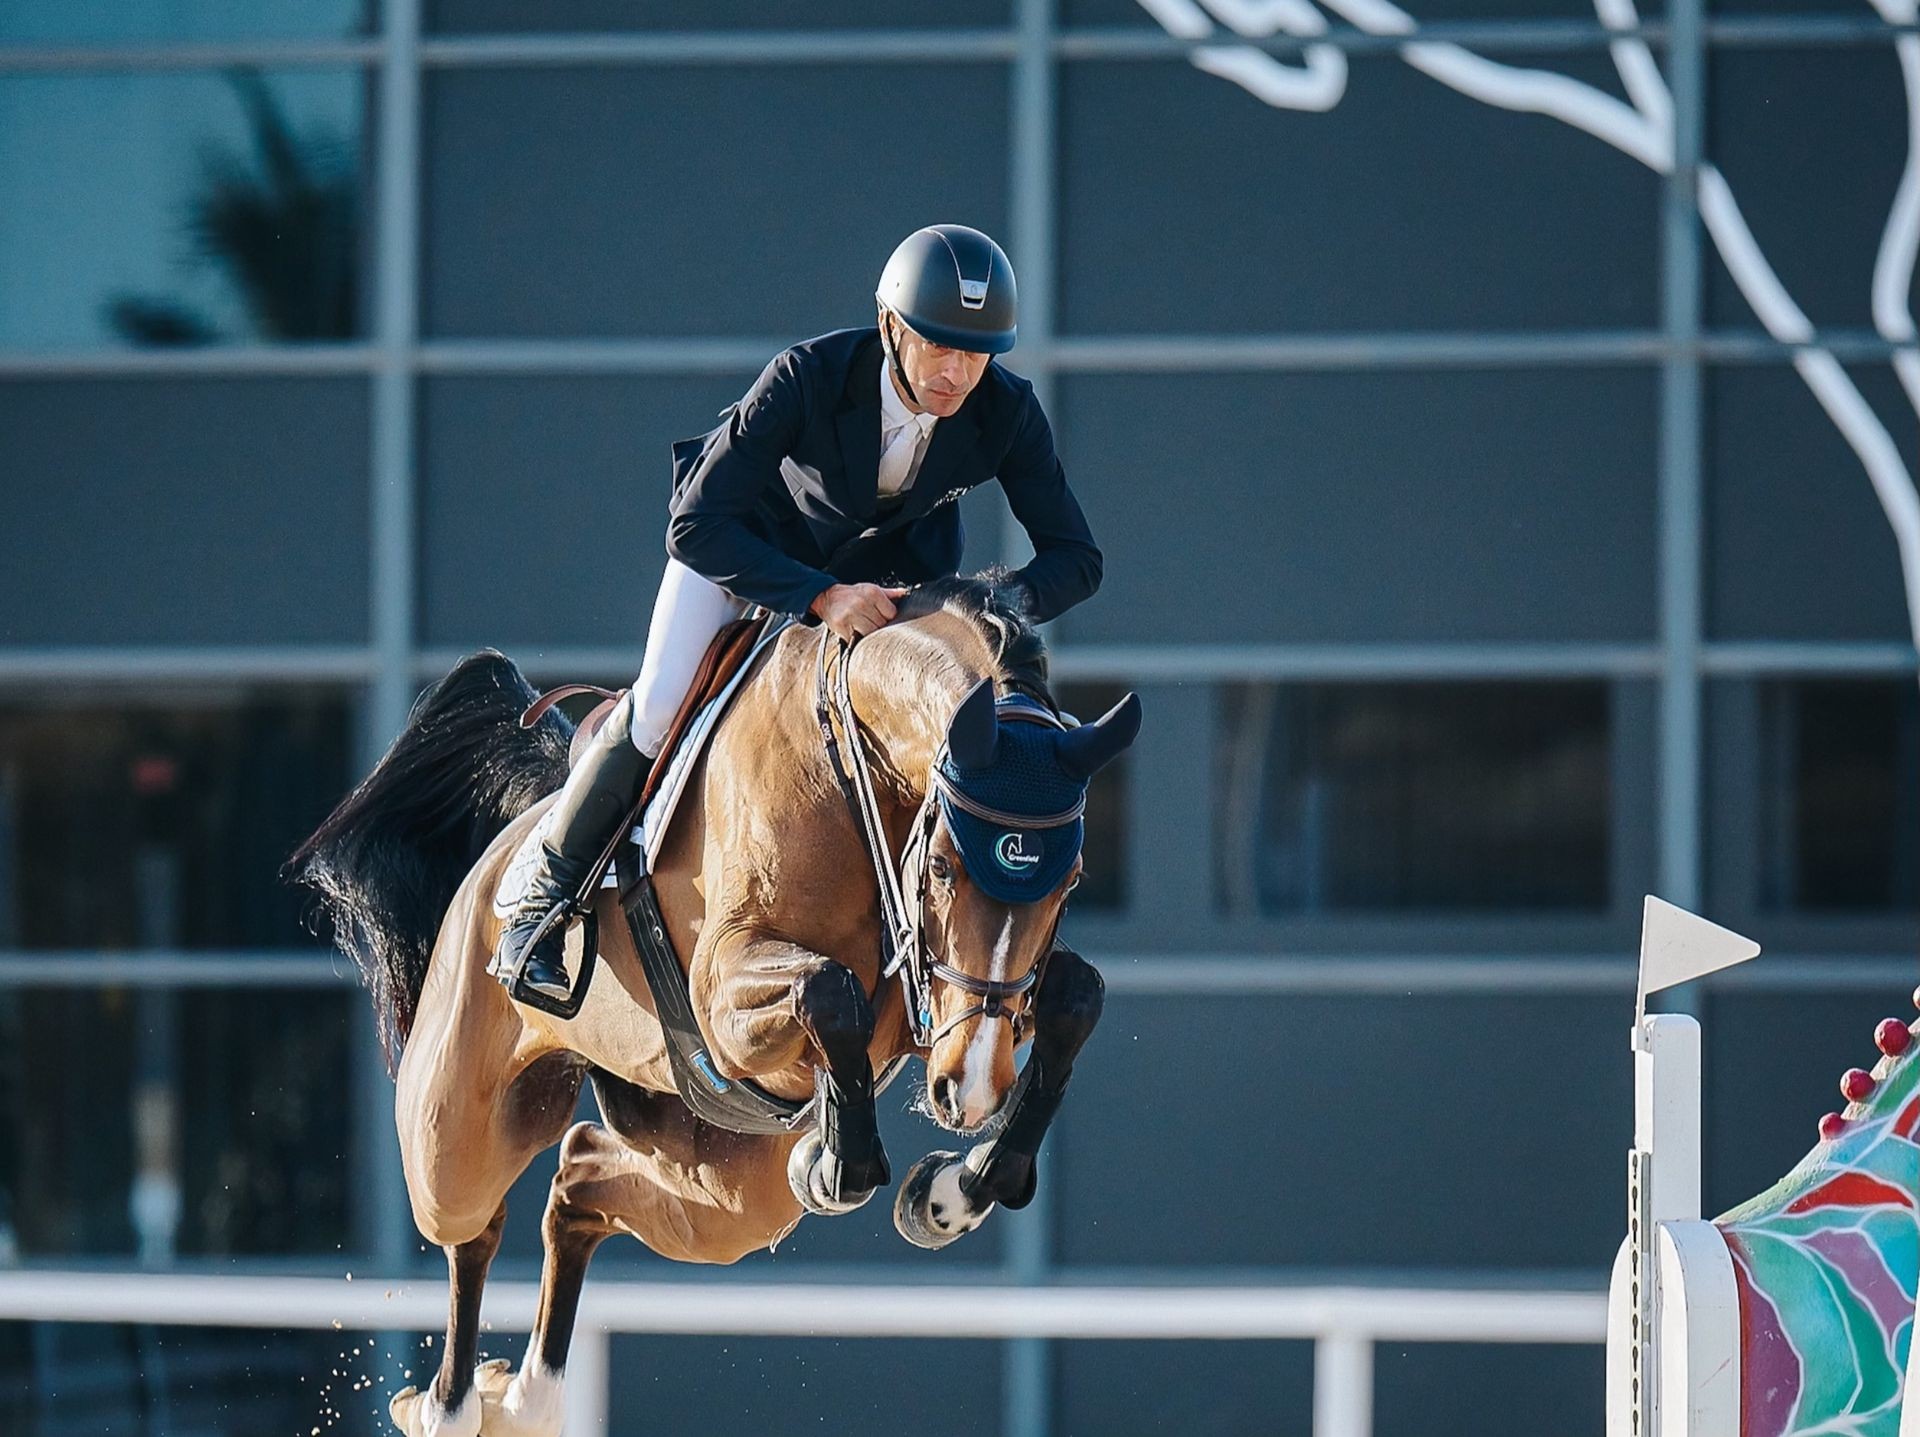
66, 1379
1409, 797
155, 825
751, 220
180, 209
1103, 883
1435, 1071
1811, 142
184, 511
1511, 505
1798, 546
1196, 1389
1188, 205
105, 21
806, 1386
214, 1122
518, 16
1840, 781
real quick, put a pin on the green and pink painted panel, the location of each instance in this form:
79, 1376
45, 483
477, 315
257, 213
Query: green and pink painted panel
1826, 1261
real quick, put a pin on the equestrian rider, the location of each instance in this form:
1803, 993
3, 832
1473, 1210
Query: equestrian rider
827, 487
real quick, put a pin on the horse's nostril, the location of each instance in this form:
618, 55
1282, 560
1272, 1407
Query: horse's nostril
943, 1094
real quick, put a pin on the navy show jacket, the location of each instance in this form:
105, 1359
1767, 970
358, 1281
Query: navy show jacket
781, 500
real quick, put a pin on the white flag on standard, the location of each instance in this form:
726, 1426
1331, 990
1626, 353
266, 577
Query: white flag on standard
1677, 946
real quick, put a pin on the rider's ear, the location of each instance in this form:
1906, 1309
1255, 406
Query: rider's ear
1084, 751
974, 731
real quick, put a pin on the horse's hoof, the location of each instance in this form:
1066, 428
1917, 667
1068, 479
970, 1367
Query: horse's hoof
931, 1210
527, 1403
810, 1173
417, 1415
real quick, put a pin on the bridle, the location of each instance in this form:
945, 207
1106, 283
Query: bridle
903, 924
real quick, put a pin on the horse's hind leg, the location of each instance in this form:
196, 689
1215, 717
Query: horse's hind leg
690, 1192
454, 1409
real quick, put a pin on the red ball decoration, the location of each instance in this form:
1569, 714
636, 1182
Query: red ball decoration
1831, 1126
1892, 1037
1856, 1084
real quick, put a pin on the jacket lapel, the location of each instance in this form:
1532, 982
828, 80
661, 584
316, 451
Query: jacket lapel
857, 423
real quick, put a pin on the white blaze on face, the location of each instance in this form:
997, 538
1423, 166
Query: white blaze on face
977, 1096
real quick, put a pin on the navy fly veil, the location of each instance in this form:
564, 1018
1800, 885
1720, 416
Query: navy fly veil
1017, 821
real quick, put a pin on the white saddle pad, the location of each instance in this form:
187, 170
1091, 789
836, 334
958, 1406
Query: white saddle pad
652, 829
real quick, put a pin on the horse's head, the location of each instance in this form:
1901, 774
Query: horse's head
1011, 785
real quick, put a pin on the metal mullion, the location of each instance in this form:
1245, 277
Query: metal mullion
158, 56
235, 360
1027, 1369
382, 1220
1040, 355
1175, 661
749, 47
678, 355
296, 968
1736, 659
1150, 973
186, 664
1681, 505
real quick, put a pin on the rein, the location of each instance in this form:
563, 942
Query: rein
903, 940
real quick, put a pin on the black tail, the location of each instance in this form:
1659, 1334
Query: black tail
388, 860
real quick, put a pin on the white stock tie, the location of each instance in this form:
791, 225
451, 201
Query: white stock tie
896, 464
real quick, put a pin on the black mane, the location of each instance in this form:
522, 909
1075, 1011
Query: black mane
997, 607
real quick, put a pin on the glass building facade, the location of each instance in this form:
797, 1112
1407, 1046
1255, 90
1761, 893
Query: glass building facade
1482, 553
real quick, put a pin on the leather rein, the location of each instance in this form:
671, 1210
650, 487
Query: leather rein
903, 925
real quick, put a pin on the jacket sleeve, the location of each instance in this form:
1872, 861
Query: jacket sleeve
1066, 562
709, 530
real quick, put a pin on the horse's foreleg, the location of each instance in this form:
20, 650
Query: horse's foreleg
451, 1408
945, 1195
838, 1166
773, 1006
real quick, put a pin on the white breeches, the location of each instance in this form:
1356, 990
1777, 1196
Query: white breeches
688, 612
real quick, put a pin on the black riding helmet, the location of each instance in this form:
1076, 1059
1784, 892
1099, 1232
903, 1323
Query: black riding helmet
954, 286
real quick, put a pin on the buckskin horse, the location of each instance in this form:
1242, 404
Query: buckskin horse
768, 885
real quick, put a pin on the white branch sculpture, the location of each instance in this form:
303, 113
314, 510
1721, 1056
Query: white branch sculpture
1644, 130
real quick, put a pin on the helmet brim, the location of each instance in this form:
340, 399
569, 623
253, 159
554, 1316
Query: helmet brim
992, 341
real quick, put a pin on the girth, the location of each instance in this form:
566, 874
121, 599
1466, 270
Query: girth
736, 1104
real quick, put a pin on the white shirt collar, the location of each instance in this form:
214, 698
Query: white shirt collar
893, 409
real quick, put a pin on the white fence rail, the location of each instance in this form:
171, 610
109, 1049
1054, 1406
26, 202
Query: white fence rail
1343, 1323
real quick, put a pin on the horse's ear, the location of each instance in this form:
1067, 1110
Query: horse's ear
974, 730
1084, 751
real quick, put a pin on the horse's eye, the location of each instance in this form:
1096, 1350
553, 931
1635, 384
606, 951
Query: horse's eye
940, 868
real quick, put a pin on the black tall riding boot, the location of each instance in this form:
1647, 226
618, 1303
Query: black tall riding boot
598, 794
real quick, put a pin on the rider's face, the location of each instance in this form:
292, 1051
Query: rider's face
942, 378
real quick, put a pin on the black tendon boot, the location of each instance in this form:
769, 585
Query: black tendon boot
597, 795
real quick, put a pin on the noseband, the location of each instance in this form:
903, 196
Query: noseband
903, 925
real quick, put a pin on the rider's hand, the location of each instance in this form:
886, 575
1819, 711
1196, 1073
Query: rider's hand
855, 610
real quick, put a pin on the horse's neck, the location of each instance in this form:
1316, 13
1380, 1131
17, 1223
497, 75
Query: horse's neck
906, 682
